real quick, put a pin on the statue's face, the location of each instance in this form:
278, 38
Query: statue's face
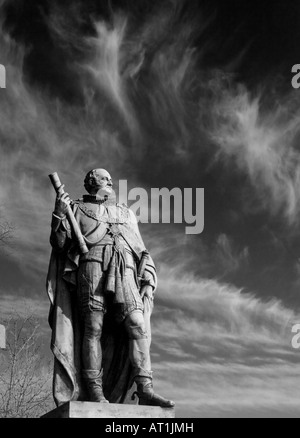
99, 182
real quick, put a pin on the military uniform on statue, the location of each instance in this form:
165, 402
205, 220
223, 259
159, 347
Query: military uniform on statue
101, 301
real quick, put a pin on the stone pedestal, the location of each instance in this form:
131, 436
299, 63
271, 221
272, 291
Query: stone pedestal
102, 410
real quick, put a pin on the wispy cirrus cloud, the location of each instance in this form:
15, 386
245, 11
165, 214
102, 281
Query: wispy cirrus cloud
220, 352
230, 390
259, 135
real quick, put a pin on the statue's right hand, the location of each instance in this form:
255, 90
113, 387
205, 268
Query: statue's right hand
62, 203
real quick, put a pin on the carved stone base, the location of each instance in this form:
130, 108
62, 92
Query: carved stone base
100, 410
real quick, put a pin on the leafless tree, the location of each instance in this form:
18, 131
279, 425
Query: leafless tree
25, 378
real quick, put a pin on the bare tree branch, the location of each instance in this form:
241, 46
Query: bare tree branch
25, 381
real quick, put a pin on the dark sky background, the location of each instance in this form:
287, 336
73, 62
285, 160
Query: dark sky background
168, 93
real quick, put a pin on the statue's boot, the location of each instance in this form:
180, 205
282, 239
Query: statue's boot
140, 358
93, 379
147, 395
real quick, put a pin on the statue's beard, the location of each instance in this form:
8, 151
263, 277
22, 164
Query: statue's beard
103, 191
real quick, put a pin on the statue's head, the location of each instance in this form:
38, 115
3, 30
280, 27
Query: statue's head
98, 182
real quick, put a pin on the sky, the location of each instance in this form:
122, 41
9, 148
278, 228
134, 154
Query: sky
169, 93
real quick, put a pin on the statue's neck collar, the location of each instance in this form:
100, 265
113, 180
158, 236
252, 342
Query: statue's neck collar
96, 199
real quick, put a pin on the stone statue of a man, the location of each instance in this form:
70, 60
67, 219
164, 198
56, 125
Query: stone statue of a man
101, 301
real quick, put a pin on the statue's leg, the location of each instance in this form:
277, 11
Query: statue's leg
91, 302
91, 345
140, 359
92, 355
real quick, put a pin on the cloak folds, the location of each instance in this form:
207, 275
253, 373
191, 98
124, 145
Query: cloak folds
66, 328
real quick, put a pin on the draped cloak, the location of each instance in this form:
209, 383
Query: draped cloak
66, 325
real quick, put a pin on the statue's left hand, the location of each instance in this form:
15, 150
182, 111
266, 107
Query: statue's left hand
147, 291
